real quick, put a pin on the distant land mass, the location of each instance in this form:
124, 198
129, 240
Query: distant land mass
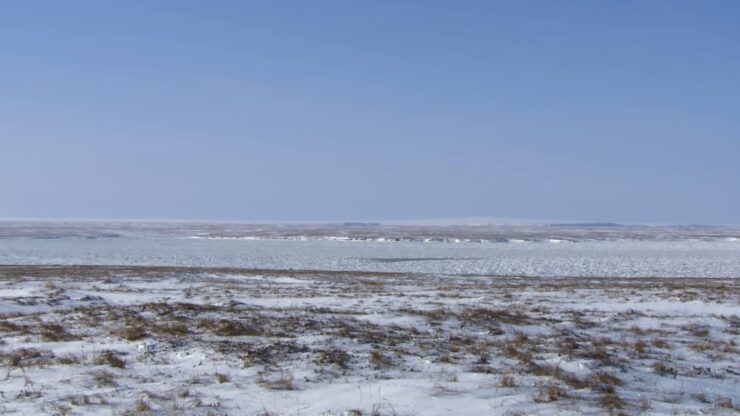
588, 224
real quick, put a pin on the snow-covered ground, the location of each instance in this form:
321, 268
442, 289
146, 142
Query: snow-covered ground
178, 340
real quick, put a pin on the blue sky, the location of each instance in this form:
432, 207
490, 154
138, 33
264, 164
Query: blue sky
574, 110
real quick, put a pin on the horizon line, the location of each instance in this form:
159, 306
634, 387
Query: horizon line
470, 221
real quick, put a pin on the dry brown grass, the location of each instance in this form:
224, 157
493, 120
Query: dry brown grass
52, 332
641, 347
724, 403
279, 379
663, 369
380, 360
508, 381
602, 378
104, 378
171, 329
549, 392
594, 351
68, 360
660, 343
7, 326
133, 332
229, 328
109, 358
697, 331
516, 351
611, 401
458, 330
79, 399
486, 317
27, 357
334, 356
141, 406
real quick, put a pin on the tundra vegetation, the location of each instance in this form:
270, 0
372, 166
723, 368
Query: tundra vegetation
169, 340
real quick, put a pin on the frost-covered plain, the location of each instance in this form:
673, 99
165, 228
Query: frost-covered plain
176, 340
122, 318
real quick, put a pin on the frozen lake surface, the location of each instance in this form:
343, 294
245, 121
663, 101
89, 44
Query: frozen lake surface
513, 251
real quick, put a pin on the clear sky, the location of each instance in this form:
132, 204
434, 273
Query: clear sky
371, 110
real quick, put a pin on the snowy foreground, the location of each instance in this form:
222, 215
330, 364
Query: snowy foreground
168, 340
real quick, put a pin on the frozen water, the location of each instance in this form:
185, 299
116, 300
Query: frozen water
576, 253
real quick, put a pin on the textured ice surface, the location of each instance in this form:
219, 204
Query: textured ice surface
594, 253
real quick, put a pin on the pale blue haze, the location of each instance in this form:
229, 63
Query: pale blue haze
622, 111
